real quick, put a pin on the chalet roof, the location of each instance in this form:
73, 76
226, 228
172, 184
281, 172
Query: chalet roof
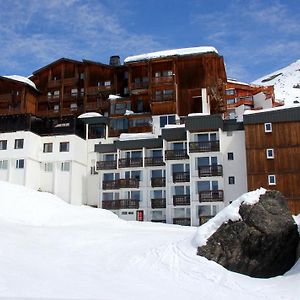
20, 79
173, 52
56, 62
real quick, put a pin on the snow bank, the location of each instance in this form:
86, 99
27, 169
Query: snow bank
89, 115
20, 204
230, 212
173, 52
136, 136
21, 79
114, 97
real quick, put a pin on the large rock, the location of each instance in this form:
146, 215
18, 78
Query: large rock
263, 244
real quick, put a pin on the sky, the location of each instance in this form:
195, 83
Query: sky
255, 37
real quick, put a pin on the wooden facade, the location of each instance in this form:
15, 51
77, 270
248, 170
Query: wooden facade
284, 140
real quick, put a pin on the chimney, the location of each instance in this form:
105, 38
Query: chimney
114, 60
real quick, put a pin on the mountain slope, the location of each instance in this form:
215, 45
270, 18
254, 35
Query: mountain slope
286, 82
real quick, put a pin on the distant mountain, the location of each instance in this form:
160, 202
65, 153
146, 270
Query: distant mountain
286, 82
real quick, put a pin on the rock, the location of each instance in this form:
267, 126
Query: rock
263, 244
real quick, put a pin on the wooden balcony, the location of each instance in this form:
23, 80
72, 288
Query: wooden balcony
5, 97
176, 154
241, 101
70, 81
95, 90
158, 203
181, 177
54, 83
211, 170
120, 183
204, 219
209, 146
139, 85
211, 196
154, 161
163, 98
181, 200
182, 221
139, 129
158, 181
161, 108
163, 80
130, 162
106, 165
120, 204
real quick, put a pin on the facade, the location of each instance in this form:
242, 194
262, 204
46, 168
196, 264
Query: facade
160, 138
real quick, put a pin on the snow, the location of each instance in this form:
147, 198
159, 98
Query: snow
136, 136
198, 114
297, 220
230, 212
237, 82
52, 250
128, 112
170, 126
286, 106
89, 115
173, 52
114, 97
21, 79
284, 81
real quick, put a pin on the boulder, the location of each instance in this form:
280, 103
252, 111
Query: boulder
262, 244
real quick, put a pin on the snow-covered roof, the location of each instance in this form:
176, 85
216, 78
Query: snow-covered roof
136, 136
197, 114
237, 82
173, 52
21, 79
287, 106
89, 115
114, 97
170, 126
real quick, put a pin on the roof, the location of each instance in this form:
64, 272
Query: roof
173, 52
21, 79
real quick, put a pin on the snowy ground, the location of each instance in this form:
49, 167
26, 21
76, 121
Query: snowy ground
50, 250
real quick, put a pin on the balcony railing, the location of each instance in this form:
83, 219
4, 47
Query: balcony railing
154, 161
106, 165
70, 81
211, 170
181, 200
139, 85
120, 204
204, 146
182, 221
158, 203
163, 80
161, 98
181, 177
158, 181
54, 83
159, 220
211, 196
120, 183
130, 162
94, 90
204, 219
176, 154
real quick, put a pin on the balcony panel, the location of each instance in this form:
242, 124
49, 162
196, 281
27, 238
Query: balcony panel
182, 221
120, 204
110, 185
176, 154
181, 200
211, 170
139, 85
158, 181
130, 162
181, 177
70, 81
162, 80
158, 203
211, 196
106, 165
209, 146
120, 184
154, 161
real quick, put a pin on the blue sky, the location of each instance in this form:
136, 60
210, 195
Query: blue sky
255, 37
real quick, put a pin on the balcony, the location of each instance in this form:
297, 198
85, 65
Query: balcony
106, 165
162, 98
158, 203
211, 170
241, 101
176, 154
209, 146
211, 196
120, 204
130, 162
158, 181
95, 90
54, 83
181, 200
139, 85
70, 81
5, 97
154, 161
182, 221
204, 219
181, 177
162, 80
120, 184
159, 220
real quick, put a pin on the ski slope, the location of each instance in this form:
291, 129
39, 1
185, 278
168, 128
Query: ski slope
51, 250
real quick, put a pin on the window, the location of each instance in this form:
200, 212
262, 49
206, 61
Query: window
268, 127
73, 106
56, 94
64, 147
271, 179
3, 164
167, 120
167, 73
3, 145
270, 153
231, 180
74, 92
231, 101
139, 105
48, 147
230, 156
107, 83
230, 92
48, 167
20, 164
19, 143
56, 107
81, 76
65, 166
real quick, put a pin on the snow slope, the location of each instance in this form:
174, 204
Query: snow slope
286, 83
51, 250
